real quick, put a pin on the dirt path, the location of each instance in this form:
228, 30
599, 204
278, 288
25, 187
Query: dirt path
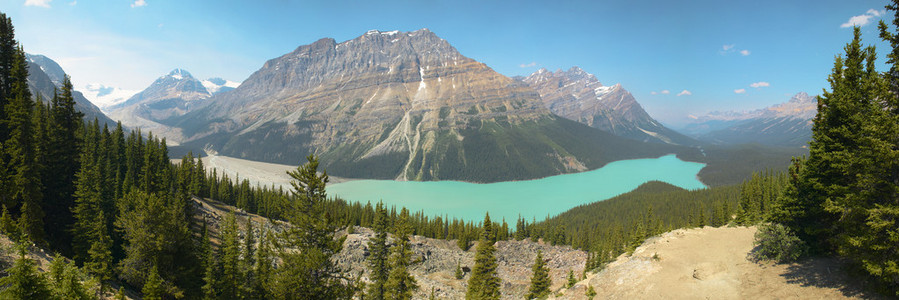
711, 263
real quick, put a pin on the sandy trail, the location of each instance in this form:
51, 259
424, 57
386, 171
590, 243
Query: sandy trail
712, 263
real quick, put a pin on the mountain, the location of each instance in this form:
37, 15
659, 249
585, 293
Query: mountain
399, 105
168, 96
106, 96
217, 85
45, 76
579, 96
785, 124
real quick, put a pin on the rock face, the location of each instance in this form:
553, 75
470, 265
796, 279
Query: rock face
397, 105
785, 124
45, 76
435, 264
579, 96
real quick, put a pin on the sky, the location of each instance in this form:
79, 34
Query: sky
678, 58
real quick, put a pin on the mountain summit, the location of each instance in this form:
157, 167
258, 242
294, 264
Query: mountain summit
579, 96
399, 105
169, 96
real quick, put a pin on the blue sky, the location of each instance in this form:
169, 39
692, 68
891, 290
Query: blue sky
713, 49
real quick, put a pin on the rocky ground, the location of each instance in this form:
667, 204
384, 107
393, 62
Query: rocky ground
435, 264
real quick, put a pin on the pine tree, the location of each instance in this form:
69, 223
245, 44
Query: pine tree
571, 280
88, 204
540, 279
400, 284
8, 226
378, 265
65, 280
458, 273
263, 268
26, 181
309, 272
520, 232
63, 158
232, 277
99, 260
249, 255
8, 47
24, 280
153, 289
484, 282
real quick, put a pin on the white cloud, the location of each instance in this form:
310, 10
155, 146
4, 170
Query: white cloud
665, 92
745, 52
727, 47
739, 91
139, 3
684, 93
73, 3
653, 93
532, 64
863, 19
759, 84
41, 3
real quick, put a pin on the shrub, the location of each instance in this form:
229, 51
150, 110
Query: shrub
777, 243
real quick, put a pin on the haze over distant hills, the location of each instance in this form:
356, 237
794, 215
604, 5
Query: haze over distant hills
785, 124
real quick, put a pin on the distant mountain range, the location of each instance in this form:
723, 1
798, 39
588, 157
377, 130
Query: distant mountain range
785, 124
167, 97
45, 76
409, 106
396, 105
579, 96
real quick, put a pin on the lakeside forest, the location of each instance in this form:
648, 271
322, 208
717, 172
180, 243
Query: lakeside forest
121, 216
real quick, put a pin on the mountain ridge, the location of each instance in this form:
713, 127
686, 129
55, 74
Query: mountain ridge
399, 105
580, 96
784, 124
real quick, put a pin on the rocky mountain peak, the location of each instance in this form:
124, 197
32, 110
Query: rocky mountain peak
578, 95
49, 67
180, 74
802, 97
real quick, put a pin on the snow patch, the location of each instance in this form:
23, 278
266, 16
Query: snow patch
421, 74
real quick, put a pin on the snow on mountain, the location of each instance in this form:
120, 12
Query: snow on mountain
217, 85
106, 96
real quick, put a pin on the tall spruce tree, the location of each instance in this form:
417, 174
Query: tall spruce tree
378, 265
484, 282
8, 49
22, 167
400, 284
309, 273
827, 173
63, 158
232, 277
540, 279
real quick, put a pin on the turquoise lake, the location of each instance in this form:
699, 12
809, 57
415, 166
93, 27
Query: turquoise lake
529, 198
